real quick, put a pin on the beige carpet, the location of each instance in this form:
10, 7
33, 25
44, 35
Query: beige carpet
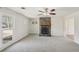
35, 43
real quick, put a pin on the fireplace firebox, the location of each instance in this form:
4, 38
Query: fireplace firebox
45, 30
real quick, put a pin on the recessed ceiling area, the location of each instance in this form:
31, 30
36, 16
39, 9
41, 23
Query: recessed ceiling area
33, 11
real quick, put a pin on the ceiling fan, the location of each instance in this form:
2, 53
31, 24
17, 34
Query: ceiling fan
46, 11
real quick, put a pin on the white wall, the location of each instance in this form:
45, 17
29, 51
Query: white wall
69, 26
77, 29
57, 27
20, 24
34, 28
0, 32
21, 27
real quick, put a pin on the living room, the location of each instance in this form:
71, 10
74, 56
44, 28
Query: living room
38, 24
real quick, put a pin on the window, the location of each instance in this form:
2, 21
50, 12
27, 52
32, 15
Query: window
6, 22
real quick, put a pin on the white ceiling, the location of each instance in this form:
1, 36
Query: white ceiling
33, 11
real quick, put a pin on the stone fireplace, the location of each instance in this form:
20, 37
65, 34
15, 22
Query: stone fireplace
45, 26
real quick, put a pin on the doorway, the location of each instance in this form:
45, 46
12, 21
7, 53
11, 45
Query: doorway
70, 28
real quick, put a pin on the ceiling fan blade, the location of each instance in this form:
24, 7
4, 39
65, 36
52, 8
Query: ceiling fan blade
41, 11
52, 10
52, 13
23, 8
